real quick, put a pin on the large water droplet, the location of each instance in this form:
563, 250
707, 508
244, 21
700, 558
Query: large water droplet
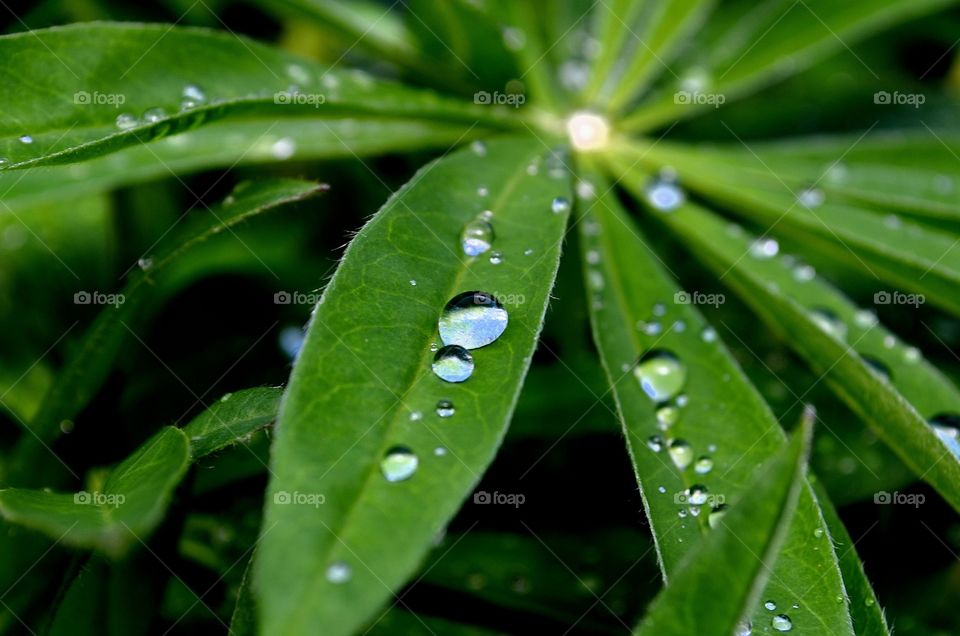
192, 96
664, 194
453, 363
476, 236
399, 464
681, 454
472, 319
782, 623
126, 121
445, 408
661, 375
339, 572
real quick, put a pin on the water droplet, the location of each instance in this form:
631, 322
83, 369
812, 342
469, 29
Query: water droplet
152, 115
877, 366
770, 605
682, 400
445, 408
528, 251
655, 443
811, 198
865, 319
399, 464
434, 347
764, 248
413, 282
482, 192
782, 623
818, 532
192, 96
662, 490
703, 466
514, 39
659, 309
560, 205
595, 280
667, 416
416, 416
829, 322
947, 428
439, 451
496, 258
339, 572
533, 169
145, 263
26, 139
661, 375
694, 511
126, 121
476, 236
682, 513
283, 148
804, 273
716, 515
472, 320
479, 148
709, 334
664, 194
593, 257
586, 189
681, 454
679, 326
453, 363
697, 494
911, 355
743, 628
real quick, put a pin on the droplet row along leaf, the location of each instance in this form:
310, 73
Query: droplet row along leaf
362, 388
720, 417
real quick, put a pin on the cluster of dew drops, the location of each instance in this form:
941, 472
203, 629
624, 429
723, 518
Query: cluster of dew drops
470, 320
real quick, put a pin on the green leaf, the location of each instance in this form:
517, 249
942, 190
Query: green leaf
92, 359
827, 346
364, 370
726, 573
236, 416
637, 310
131, 502
914, 257
149, 66
791, 40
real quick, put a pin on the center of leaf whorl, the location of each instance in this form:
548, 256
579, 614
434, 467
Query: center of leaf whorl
588, 131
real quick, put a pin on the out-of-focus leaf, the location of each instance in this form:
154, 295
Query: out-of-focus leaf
235, 417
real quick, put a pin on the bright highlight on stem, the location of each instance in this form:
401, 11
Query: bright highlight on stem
588, 131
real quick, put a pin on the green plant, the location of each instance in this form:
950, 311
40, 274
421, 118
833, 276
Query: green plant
555, 123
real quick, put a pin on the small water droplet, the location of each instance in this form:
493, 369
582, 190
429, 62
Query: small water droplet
703, 466
560, 205
283, 148
339, 572
764, 248
770, 605
528, 251
804, 273
145, 263
716, 515
413, 282
290, 341
664, 194
479, 148
445, 408
743, 628
782, 623
662, 490
472, 320
865, 319
681, 454
439, 451
514, 39
482, 192
26, 139
667, 416
416, 416
586, 190
697, 494
661, 375
818, 532
476, 236
655, 443
829, 322
192, 96
682, 400
496, 258
811, 198
533, 169
593, 257
126, 121
153, 115
869, 602
889, 341
709, 334
682, 513
434, 347
694, 511
399, 464
911, 355
947, 428
453, 363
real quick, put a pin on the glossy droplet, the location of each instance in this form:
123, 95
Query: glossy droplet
829, 322
865, 319
709, 334
804, 273
655, 443
479, 148
681, 454
818, 532
703, 466
560, 205
445, 408
697, 494
877, 366
152, 115
399, 464
782, 623
26, 139
145, 262
947, 428
496, 258
743, 628
453, 363
764, 248
413, 282
472, 319
716, 515
283, 148
439, 451
770, 605
339, 572
416, 416
193, 94
661, 375
911, 355
126, 121
667, 415
694, 511
664, 194
476, 236
811, 198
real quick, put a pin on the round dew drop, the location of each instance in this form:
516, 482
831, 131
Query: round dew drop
560, 205
697, 494
339, 572
126, 121
782, 623
661, 375
716, 515
703, 466
472, 320
453, 363
445, 408
664, 194
681, 454
152, 115
496, 258
476, 237
399, 464
770, 605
